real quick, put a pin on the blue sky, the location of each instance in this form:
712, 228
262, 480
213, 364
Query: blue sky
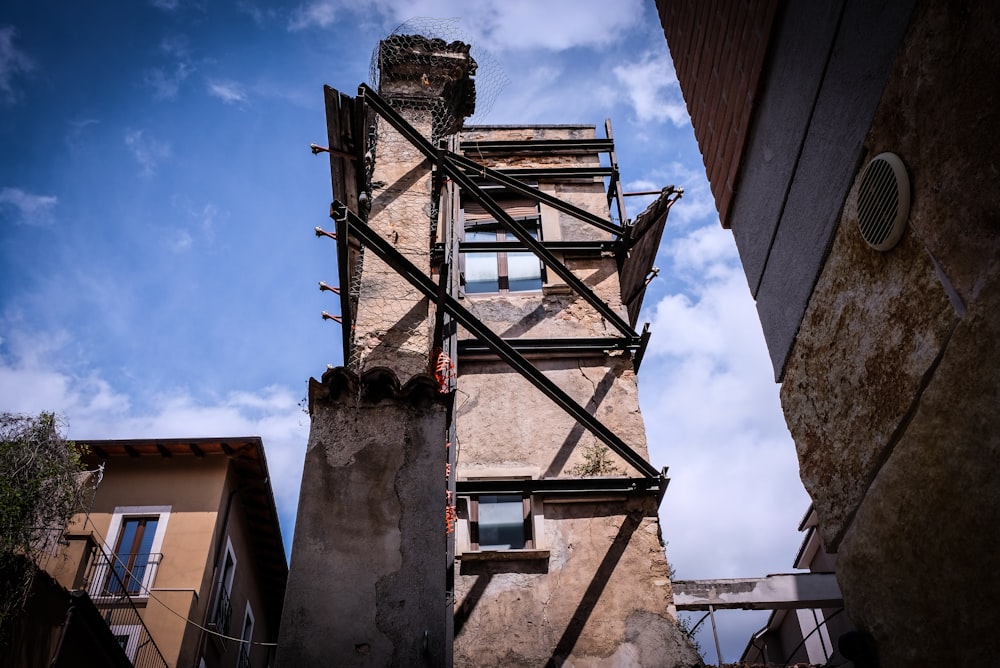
158, 268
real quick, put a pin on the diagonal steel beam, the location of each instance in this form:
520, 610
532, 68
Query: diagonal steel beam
372, 99
504, 350
536, 246
512, 183
451, 164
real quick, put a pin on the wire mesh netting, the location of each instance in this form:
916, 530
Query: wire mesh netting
417, 54
430, 74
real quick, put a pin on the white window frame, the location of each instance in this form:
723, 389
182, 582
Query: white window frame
247, 643
162, 513
222, 584
133, 631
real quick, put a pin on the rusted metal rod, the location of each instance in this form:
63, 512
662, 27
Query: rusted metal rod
320, 232
317, 149
336, 318
324, 287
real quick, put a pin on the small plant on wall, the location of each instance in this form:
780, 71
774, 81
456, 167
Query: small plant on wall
597, 461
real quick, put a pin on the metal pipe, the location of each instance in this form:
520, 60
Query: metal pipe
715, 632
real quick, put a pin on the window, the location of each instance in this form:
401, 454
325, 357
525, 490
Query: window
501, 271
131, 552
127, 636
223, 602
247, 637
131, 557
500, 522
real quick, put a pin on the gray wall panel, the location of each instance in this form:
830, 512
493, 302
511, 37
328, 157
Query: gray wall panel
865, 47
802, 43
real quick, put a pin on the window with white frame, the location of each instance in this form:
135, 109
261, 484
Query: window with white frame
131, 552
127, 636
224, 589
247, 637
500, 271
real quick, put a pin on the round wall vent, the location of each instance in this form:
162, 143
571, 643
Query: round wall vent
883, 201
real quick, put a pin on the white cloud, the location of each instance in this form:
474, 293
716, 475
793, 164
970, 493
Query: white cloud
319, 14
651, 86
262, 16
28, 208
557, 25
200, 224
181, 241
177, 46
497, 25
13, 63
166, 5
696, 205
714, 417
229, 92
32, 380
165, 83
147, 151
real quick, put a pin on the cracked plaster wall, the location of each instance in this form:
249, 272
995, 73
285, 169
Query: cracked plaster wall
893, 387
363, 585
600, 595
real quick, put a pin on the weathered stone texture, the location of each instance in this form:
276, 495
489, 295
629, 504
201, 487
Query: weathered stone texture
367, 577
919, 565
391, 325
892, 390
874, 327
940, 113
503, 421
591, 608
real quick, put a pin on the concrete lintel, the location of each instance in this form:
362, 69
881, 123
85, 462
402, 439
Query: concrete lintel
774, 592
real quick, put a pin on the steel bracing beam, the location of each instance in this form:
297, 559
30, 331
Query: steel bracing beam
544, 254
551, 172
563, 486
572, 346
547, 146
347, 220
518, 186
446, 162
383, 109
559, 246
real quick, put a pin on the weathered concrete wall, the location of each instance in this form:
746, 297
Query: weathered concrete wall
600, 599
594, 588
367, 578
391, 325
505, 422
891, 391
424, 81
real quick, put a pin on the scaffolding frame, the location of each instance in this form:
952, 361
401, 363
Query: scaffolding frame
348, 120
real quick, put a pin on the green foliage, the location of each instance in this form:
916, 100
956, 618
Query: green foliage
39, 492
684, 623
597, 461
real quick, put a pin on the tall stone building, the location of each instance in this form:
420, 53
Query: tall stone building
477, 489
879, 304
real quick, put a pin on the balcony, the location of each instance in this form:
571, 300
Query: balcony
114, 584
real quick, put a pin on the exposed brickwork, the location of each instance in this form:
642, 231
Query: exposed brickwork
718, 49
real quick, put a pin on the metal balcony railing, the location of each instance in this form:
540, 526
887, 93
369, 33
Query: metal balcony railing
223, 612
112, 582
132, 574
